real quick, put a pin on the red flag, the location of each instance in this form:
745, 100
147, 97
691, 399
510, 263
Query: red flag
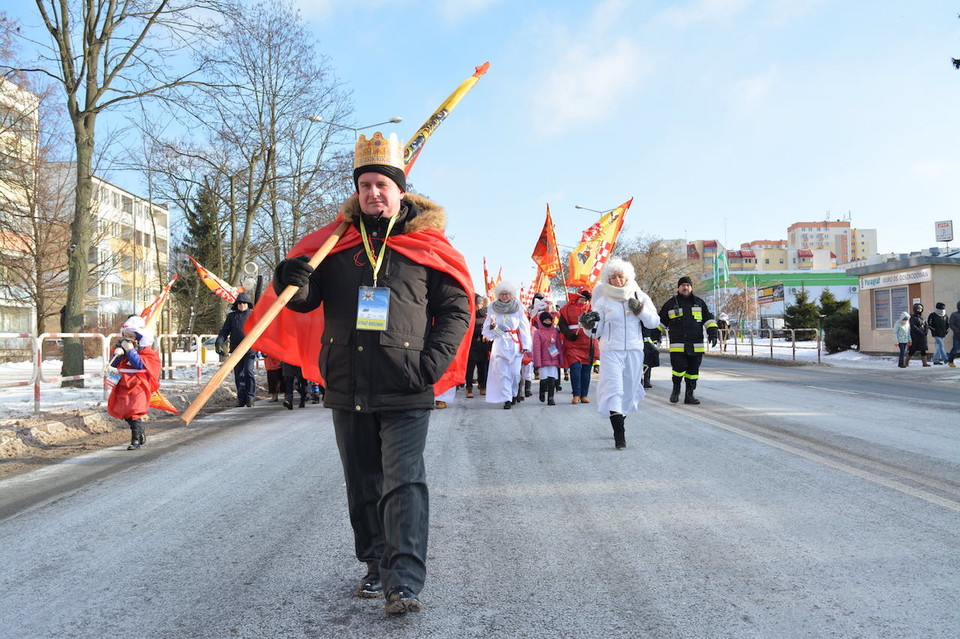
295, 337
545, 253
488, 284
215, 284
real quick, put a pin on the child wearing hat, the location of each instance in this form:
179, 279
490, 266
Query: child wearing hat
139, 368
547, 356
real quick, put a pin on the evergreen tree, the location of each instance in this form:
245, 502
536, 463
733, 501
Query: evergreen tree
803, 314
841, 331
830, 305
202, 241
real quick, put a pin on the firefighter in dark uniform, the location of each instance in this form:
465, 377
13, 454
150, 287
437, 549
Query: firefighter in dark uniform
685, 315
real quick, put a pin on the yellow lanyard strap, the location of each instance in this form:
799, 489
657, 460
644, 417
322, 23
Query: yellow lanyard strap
375, 261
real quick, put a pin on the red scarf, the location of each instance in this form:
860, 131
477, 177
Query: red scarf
295, 337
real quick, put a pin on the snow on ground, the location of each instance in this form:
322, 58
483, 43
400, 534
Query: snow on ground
18, 401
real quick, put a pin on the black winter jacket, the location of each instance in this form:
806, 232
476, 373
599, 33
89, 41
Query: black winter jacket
394, 369
232, 329
685, 319
918, 332
938, 324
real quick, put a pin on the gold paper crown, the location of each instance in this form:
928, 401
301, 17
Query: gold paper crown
378, 150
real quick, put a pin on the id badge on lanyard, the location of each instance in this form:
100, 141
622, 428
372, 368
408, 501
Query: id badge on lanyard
373, 302
373, 308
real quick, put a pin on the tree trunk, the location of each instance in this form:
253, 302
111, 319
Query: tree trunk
79, 250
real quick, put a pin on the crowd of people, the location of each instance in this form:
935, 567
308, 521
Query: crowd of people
394, 341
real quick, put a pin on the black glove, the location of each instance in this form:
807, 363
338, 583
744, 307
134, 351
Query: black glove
635, 305
589, 320
656, 335
712, 335
294, 271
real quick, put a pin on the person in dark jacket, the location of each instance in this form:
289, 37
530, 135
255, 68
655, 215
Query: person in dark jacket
478, 362
686, 316
954, 325
937, 321
918, 335
398, 311
232, 331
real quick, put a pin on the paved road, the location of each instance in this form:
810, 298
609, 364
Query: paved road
795, 502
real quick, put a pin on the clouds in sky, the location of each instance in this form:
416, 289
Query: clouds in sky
592, 69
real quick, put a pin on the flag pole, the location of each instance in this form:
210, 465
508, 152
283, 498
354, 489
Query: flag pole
241, 350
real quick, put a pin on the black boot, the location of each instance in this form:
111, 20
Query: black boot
551, 387
526, 389
688, 397
543, 390
646, 377
136, 435
557, 385
619, 432
288, 401
675, 395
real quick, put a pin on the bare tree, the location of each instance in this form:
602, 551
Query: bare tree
104, 54
742, 305
659, 264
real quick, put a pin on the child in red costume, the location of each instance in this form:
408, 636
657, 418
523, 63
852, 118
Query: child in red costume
139, 368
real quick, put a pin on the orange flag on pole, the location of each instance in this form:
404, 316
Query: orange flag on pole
151, 313
596, 245
488, 284
545, 253
215, 284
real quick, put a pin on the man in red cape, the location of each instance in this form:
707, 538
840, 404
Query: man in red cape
392, 306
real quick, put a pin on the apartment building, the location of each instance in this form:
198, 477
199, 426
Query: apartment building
19, 139
848, 244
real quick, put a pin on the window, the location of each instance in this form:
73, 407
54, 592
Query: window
888, 303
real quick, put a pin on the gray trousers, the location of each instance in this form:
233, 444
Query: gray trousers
382, 456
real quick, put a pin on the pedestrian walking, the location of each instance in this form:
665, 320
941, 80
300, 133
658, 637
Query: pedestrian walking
478, 360
937, 321
508, 328
293, 381
619, 310
901, 336
547, 355
232, 332
274, 368
139, 368
397, 304
579, 349
918, 335
686, 316
954, 324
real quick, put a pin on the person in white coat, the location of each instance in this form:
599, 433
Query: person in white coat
508, 328
619, 307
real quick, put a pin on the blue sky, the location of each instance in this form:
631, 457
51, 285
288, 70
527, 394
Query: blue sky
725, 119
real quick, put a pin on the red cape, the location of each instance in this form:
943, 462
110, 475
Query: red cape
295, 337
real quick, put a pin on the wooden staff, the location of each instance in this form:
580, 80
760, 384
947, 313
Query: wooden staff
240, 351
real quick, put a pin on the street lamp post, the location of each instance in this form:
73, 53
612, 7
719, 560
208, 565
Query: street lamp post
584, 208
356, 129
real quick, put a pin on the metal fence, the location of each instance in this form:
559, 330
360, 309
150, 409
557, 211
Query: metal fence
177, 351
766, 342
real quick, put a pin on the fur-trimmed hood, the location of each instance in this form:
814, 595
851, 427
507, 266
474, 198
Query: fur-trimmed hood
422, 213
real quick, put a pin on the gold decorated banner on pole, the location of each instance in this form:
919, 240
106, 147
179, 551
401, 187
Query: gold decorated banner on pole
415, 145
596, 245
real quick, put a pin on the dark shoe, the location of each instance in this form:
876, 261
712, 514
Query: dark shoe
401, 600
469, 394
250, 402
134, 440
526, 389
507, 405
303, 401
543, 390
370, 586
551, 402
241, 403
675, 393
688, 398
288, 404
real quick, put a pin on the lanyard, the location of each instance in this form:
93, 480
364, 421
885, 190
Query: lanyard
375, 260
